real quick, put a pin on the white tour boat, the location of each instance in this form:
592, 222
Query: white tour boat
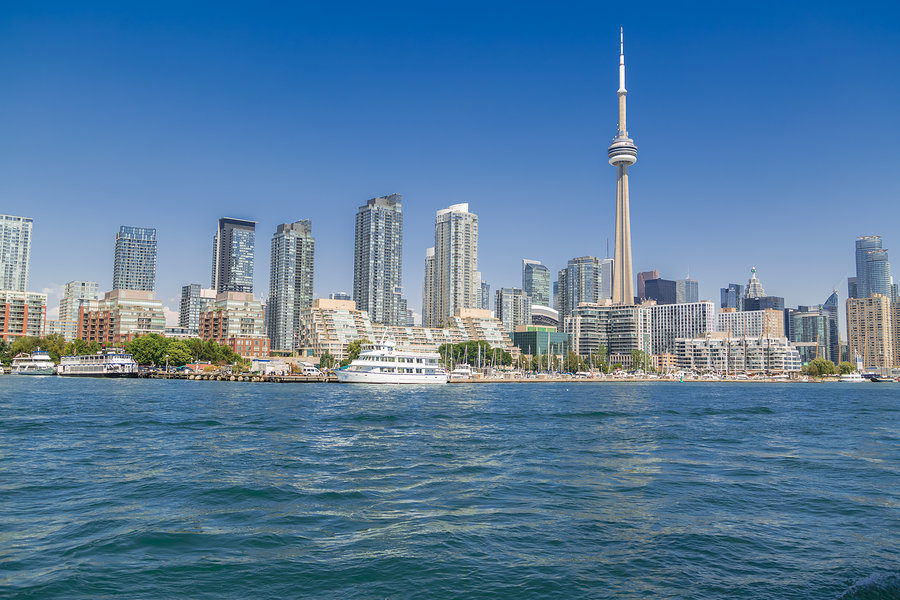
111, 363
36, 363
383, 363
853, 377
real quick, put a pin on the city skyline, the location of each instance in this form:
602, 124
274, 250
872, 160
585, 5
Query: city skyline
187, 199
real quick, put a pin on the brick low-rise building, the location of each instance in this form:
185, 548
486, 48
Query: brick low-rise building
121, 316
22, 314
236, 320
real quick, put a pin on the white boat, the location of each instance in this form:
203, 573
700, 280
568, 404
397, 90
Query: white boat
854, 377
111, 363
36, 363
383, 363
462, 372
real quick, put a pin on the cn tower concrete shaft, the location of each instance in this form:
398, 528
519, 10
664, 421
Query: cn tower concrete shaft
622, 153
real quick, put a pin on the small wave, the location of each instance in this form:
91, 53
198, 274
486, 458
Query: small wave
879, 586
748, 410
594, 414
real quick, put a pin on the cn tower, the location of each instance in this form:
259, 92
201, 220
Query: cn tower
622, 152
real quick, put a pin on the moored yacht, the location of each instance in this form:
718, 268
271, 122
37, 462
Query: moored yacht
111, 363
36, 363
383, 363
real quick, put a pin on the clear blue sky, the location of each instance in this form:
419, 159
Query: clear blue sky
768, 135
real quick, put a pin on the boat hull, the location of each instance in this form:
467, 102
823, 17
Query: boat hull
99, 375
345, 376
47, 371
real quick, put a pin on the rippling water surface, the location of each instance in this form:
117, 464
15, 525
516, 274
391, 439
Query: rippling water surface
158, 489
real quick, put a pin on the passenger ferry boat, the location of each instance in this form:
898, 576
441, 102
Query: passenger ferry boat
111, 363
383, 363
36, 363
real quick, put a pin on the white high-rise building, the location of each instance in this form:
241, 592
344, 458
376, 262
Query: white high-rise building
15, 252
671, 321
455, 262
290, 283
378, 259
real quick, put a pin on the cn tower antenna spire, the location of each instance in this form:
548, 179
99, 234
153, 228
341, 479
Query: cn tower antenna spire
621, 59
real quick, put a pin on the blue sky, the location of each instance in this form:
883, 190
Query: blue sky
767, 134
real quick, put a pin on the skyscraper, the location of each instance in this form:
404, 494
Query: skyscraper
15, 252
290, 282
233, 248
578, 282
878, 272
513, 308
134, 265
754, 287
830, 308
378, 257
194, 301
622, 153
732, 296
428, 291
687, 290
863, 245
642, 278
455, 261
606, 278
536, 281
664, 291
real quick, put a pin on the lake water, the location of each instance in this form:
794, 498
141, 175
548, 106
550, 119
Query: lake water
182, 489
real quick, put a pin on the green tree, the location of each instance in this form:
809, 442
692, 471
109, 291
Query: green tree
640, 360
573, 363
148, 349
179, 353
818, 367
846, 367
326, 361
354, 348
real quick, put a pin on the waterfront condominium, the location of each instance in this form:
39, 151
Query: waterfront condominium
78, 297
513, 308
194, 301
455, 262
290, 282
378, 258
536, 281
233, 248
134, 265
15, 251
578, 282
870, 335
